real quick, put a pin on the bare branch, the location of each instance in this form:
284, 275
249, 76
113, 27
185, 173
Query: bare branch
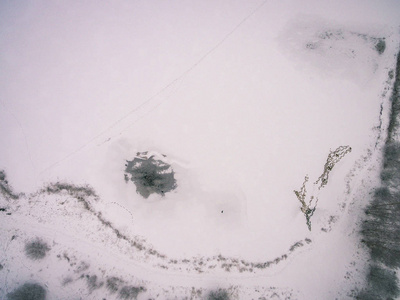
308, 209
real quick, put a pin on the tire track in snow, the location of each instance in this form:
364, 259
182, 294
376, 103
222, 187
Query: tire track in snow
150, 99
144, 272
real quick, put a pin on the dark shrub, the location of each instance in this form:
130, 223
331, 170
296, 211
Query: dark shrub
36, 249
219, 294
75, 190
380, 46
28, 291
5, 188
113, 284
150, 176
130, 292
92, 283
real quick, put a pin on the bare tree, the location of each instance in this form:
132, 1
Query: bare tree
308, 207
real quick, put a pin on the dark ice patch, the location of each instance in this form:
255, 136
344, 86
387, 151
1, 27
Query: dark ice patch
150, 175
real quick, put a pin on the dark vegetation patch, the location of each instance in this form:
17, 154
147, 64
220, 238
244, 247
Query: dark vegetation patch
381, 230
74, 190
83, 266
381, 227
36, 249
150, 175
113, 284
219, 294
391, 159
391, 75
130, 292
382, 284
67, 280
395, 99
93, 283
380, 46
5, 188
28, 291
82, 195
378, 43
228, 263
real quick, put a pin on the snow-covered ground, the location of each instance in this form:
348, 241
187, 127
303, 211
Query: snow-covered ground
243, 99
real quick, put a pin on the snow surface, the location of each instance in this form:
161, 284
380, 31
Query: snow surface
244, 98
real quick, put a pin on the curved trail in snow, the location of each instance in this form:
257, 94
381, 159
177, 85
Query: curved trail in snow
113, 259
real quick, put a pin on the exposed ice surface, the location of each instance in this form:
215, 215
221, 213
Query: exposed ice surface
244, 99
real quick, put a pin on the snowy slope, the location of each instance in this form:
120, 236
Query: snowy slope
244, 99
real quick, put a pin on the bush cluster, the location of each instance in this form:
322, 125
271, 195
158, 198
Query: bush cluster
219, 294
130, 292
380, 46
93, 283
36, 249
28, 291
113, 284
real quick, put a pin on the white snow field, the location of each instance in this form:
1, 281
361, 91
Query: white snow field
242, 98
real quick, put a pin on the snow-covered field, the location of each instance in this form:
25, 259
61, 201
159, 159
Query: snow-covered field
242, 99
